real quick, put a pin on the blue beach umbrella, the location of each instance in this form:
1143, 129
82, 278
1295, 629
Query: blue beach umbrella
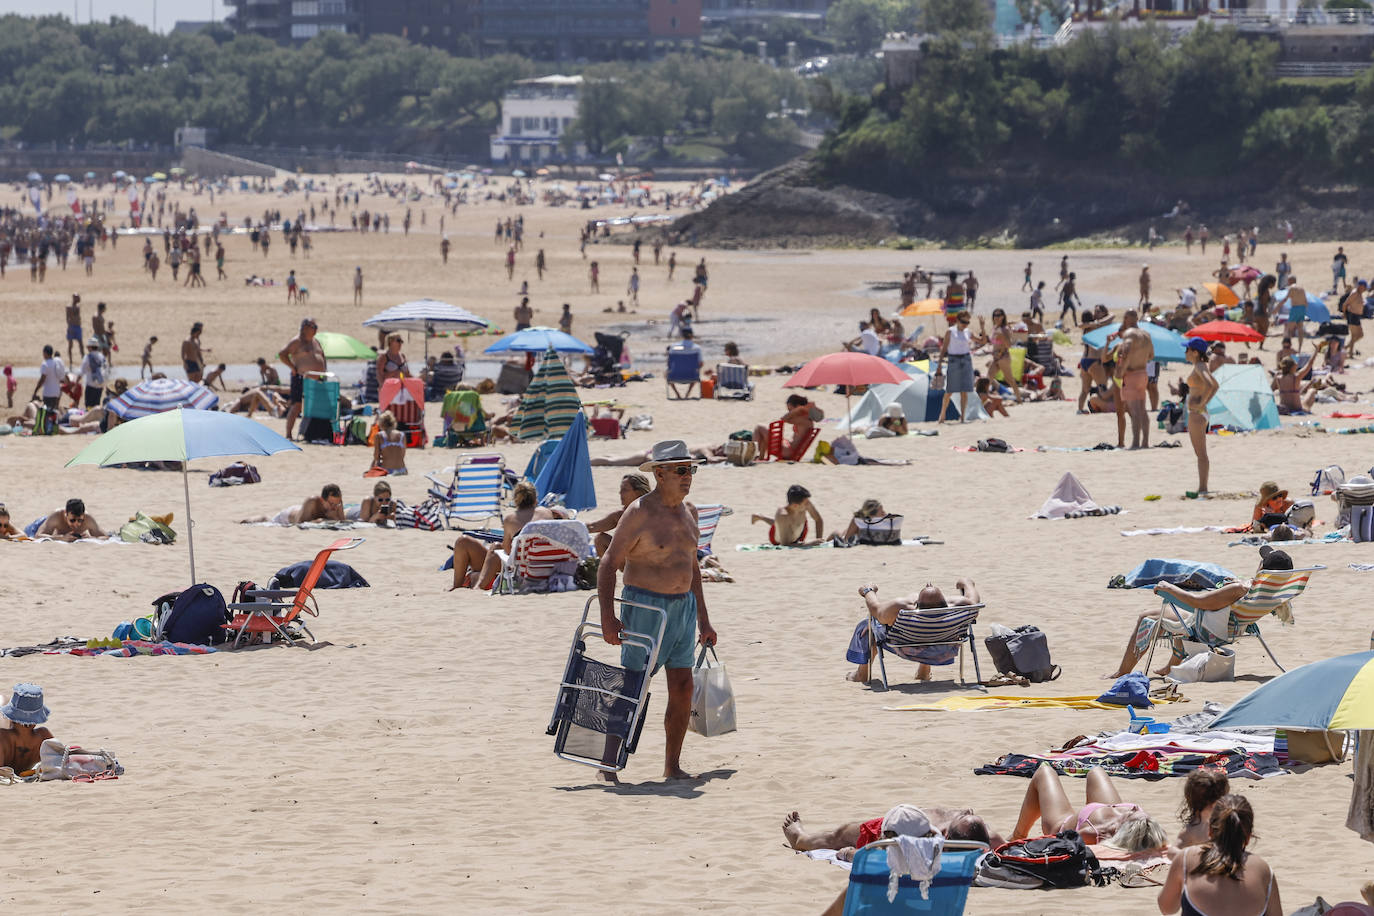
569, 469
1335, 693
62, 178
1169, 346
183, 435
1317, 309
537, 340
1244, 398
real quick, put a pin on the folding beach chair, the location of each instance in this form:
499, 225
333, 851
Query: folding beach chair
923, 629
775, 445
278, 610
600, 708
464, 422
319, 402
474, 493
684, 368
405, 398
868, 880
1273, 592
708, 518
539, 553
732, 381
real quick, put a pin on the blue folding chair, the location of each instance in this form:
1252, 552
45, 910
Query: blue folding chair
474, 493
868, 879
926, 628
684, 368
732, 381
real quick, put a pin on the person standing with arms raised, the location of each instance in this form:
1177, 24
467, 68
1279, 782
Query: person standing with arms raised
655, 543
303, 355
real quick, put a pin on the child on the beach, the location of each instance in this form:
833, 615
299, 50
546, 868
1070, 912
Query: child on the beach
215, 375
147, 358
10, 386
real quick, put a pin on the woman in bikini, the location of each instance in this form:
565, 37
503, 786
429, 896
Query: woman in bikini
1201, 387
391, 363
1104, 819
1288, 384
1221, 878
1001, 350
389, 447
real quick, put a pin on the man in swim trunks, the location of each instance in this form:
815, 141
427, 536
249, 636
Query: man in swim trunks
193, 354
847, 839
74, 327
655, 543
303, 355
1133, 356
787, 526
885, 613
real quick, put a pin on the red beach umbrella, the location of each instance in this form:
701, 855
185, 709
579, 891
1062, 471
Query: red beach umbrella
1226, 330
848, 369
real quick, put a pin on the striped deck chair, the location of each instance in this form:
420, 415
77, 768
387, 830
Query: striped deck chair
535, 558
708, 518
923, 629
474, 493
1272, 592
732, 381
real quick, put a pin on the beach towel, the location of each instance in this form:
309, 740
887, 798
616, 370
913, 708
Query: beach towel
1239, 764
1000, 701
906, 542
1182, 529
1344, 415
1183, 573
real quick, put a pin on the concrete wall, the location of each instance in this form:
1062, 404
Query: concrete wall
210, 164
16, 163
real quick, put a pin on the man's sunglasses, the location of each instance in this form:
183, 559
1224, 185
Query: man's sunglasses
683, 470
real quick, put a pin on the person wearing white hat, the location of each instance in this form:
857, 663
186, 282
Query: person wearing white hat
20, 742
655, 543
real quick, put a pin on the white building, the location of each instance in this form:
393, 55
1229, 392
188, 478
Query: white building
535, 115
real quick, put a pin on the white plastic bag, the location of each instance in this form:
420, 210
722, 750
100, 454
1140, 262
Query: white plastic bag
1216, 664
713, 702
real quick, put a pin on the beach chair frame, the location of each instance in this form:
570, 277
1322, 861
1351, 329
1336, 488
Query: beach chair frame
956, 630
774, 446
866, 894
1273, 590
569, 687
268, 611
477, 499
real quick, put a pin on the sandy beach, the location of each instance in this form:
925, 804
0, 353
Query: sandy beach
404, 767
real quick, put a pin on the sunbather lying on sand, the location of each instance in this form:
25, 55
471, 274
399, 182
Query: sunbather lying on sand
7, 531
787, 526
885, 612
70, 523
1147, 624
1104, 819
847, 839
328, 506
255, 399
713, 454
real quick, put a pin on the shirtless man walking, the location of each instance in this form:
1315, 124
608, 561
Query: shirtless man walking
656, 545
193, 354
74, 327
1133, 355
302, 355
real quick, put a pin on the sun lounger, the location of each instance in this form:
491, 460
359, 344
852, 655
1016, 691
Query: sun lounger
732, 381
278, 610
868, 881
599, 700
1273, 592
923, 629
474, 492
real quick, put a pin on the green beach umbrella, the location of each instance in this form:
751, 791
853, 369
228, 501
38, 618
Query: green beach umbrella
183, 435
342, 346
550, 403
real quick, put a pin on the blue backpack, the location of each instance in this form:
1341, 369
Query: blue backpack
198, 616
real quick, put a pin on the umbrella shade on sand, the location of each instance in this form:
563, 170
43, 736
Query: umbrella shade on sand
848, 369
537, 340
1226, 330
1244, 398
158, 395
342, 346
1169, 345
568, 470
1222, 294
1335, 693
183, 435
550, 403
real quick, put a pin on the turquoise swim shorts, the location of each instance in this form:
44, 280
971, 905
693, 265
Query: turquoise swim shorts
678, 649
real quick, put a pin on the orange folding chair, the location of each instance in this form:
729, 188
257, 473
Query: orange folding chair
268, 610
776, 446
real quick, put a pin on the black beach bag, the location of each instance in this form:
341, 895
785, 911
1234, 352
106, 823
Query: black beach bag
1024, 652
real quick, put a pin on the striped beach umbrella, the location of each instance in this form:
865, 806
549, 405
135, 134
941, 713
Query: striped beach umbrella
550, 403
1335, 693
158, 395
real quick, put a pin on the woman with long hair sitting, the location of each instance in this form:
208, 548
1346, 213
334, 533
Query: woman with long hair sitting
1221, 878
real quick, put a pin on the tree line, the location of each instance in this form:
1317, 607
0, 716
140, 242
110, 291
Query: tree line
1201, 105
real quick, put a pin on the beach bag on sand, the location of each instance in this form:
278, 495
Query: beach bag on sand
993, 445
740, 452
198, 617
1328, 479
1023, 651
58, 761
235, 475
1217, 663
1310, 745
1045, 862
713, 701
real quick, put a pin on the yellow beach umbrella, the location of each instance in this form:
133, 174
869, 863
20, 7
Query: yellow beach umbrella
924, 307
1222, 294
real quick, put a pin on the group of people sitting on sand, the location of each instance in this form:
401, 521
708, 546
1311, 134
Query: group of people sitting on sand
790, 524
1211, 869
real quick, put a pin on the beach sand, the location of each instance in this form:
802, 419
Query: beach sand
405, 767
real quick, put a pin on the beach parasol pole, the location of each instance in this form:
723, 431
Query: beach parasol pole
190, 525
